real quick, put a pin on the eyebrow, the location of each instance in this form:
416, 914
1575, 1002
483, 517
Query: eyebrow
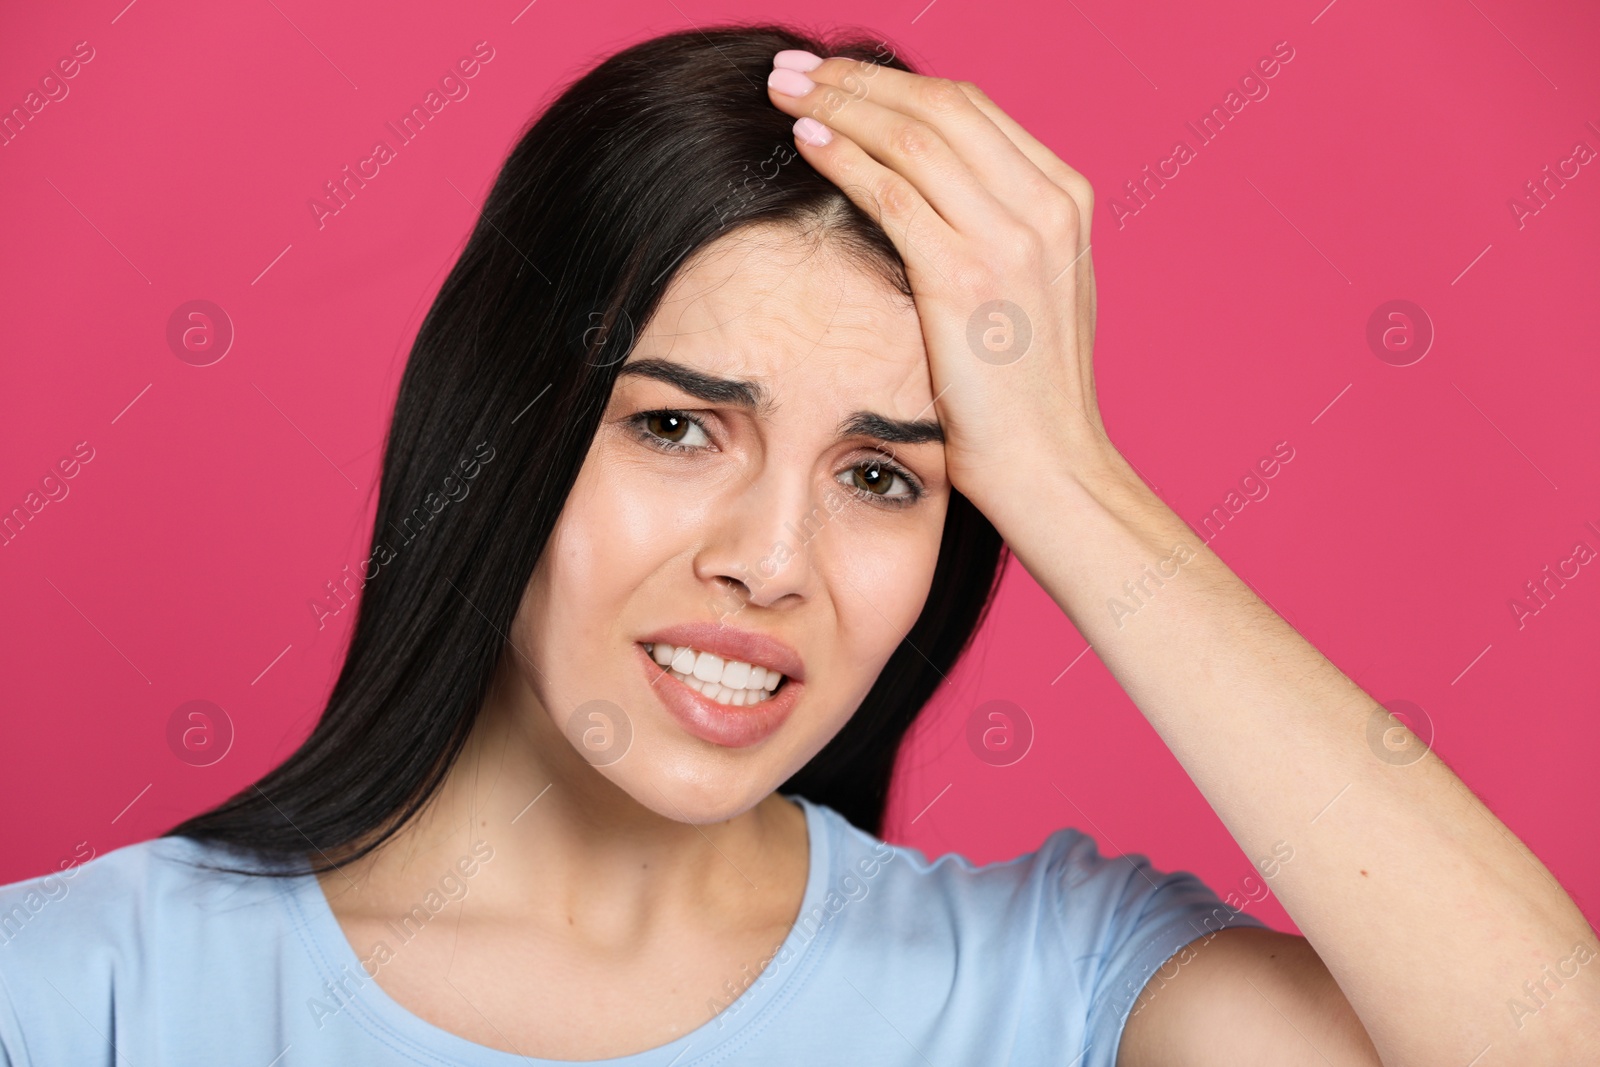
747, 394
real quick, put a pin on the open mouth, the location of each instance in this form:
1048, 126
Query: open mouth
727, 681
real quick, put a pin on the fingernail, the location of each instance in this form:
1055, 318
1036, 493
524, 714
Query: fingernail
797, 59
812, 132
790, 82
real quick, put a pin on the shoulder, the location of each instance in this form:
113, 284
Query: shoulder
119, 928
1066, 881
1071, 933
88, 895
106, 898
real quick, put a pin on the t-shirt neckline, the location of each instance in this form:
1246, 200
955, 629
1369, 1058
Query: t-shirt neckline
389, 1022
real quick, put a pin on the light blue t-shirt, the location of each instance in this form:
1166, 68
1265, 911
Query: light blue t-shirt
893, 960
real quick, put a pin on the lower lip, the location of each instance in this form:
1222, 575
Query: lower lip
720, 724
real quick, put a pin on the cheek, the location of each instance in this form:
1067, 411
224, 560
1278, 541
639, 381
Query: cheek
881, 583
613, 533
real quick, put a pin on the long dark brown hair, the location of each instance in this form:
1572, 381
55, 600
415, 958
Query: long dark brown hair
655, 152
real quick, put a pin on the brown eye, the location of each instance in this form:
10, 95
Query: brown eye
882, 481
671, 430
874, 478
666, 424
878, 479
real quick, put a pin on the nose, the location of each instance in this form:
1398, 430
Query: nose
760, 549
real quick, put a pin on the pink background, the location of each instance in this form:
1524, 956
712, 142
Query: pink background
1234, 310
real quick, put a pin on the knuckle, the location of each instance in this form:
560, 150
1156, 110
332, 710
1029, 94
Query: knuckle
969, 275
941, 96
1021, 245
1060, 214
914, 139
897, 197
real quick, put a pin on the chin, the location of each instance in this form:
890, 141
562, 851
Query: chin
690, 794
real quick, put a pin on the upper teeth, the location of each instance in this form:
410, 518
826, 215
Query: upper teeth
729, 681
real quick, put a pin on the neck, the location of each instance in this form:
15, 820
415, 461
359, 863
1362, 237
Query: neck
554, 843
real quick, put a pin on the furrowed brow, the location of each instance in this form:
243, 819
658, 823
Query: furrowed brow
891, 431
708, 387
717, 390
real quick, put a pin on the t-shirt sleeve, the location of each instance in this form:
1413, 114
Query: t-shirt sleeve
1122, 920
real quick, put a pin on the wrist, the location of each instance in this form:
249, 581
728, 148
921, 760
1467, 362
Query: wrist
1057, 501
1031, 482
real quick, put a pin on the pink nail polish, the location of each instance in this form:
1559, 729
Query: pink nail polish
812, 132
790, 82
797, 59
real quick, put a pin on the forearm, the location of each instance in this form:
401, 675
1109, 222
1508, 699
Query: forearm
1425, 908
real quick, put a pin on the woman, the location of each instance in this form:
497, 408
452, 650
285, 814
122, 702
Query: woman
694, 492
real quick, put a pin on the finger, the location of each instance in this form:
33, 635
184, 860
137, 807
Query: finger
1075, 185
1046, 161
996, 159
911, 147
920, 235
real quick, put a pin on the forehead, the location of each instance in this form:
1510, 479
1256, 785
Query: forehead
803, 314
